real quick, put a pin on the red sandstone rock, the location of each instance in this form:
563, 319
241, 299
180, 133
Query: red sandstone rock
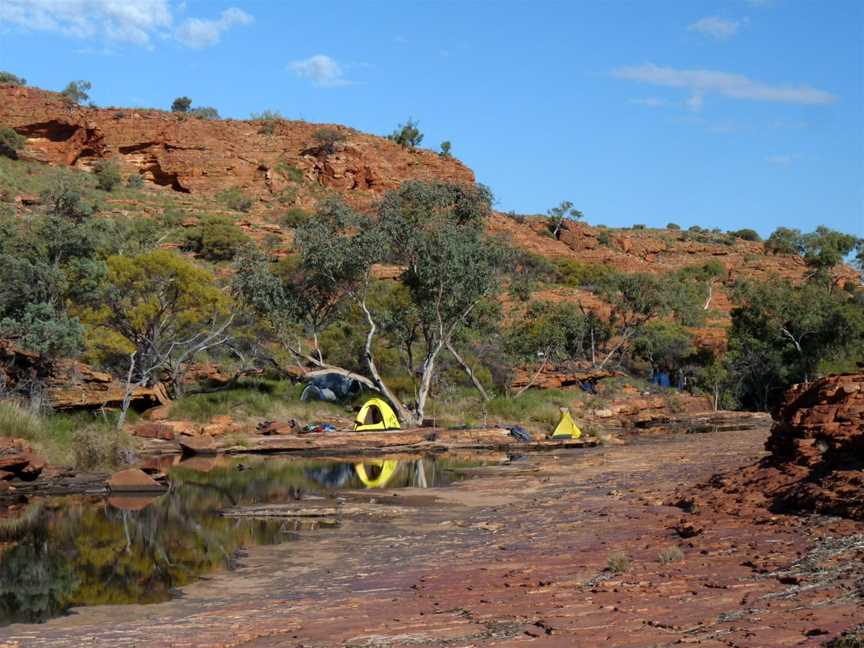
152, 430
204, 444
133, 480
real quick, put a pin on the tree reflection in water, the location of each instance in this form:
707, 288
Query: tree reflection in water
67, 552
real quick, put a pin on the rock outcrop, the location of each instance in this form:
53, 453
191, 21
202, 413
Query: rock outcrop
198, 156
67, 384
816, 460
17, 460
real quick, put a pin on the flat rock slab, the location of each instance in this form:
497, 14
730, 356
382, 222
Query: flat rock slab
133, 480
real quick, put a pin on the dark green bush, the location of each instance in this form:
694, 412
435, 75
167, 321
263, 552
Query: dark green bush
10, 143
407, 134
107, 174
235, 199
204, 112
673, 226
76, 92
7, 78
215, 239
328, 139
295, 217
445, 149
181, 105
135, 181
747, 234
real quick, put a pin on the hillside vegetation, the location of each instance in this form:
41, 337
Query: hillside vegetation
146, 242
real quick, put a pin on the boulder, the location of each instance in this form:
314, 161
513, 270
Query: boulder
133, 480
203, 444
150, 430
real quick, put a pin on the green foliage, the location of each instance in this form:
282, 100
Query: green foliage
294, 217
64, 196
665, 345
107, 174
560, 214
203, 112
555, 331
617, 563
10, 143
235, 199
7, 78
181, 105
270, 120
673, 226
747, 234
328, 139
446, 146
40, 328
151, 302
582, 275
785, 240
826, 248
407, 135
215, 239
289, 171
604, 238
76, 92
135, 181
639, 226
781, 333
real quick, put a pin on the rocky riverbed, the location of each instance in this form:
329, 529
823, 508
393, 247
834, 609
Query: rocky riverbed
589, 549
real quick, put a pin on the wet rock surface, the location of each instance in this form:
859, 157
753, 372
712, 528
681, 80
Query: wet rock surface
525, 558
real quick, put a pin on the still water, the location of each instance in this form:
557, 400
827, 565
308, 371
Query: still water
59, 553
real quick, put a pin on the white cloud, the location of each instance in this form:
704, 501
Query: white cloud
780, 160
321, 69
119, 20
650, 102
700, 83
200, 32
124, 21
715, 27
694, 102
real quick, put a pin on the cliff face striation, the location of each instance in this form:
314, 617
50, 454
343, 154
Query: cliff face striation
199, 156
816, 454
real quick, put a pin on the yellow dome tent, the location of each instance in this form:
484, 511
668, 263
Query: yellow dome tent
378, 473
566, 428
376, 415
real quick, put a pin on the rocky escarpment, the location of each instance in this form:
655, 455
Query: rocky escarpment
66, 384
816, 460
192, 155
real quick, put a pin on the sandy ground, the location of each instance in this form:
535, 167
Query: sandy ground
521, 558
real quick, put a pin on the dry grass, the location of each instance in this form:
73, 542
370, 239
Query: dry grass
617, 563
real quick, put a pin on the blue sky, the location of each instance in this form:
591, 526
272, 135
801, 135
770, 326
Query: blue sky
744, 113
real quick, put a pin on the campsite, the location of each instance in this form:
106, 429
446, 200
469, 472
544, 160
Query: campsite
443, 324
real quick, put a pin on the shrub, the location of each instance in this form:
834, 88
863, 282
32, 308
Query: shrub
289, 171
7, 78
181, 105
215, 240
581, 275
617, 563
135, 181
235, 199
672, 554
639, 226
107, 174
673, 226
10, 143
445, 149
328, 139
98, 446
76, 92
270, 119
407, 134
64, 197
294, 217
604, 238
204, 112
785, 240
847, 640
747, 234
172, 217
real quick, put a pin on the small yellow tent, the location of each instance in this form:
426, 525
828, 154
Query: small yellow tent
566, 428
376, 474
376, 415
